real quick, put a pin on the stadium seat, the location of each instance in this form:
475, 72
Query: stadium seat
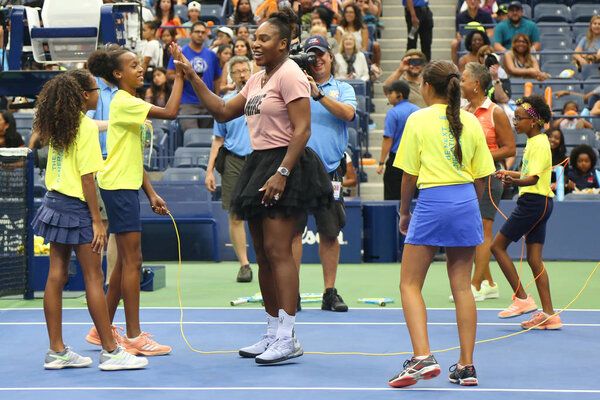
590, 71
212, 12
182, 12
591, 84
584, 12
527, 11
556, 42
554, 69
184, 174
360, 86
545, 28
563, 84
575, 137
198, 137
559, 103
23, 120
558, 57
68, 31
186, 157
579, 29
551, 13
151, 159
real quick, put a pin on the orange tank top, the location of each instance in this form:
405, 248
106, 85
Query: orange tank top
485, 115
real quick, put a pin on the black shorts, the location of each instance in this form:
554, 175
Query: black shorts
329, 221
528, 218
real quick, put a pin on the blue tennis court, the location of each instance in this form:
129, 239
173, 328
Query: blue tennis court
532, 365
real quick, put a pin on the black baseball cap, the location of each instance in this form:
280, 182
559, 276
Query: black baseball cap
317, 42
502, 10
515, 3
398, 87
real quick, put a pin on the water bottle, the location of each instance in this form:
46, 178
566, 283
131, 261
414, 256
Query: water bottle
560, 183
413, 32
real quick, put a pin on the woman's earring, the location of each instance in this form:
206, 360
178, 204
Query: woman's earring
475, 90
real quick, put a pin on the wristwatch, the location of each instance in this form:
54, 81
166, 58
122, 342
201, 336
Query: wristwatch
283, 171
320, 95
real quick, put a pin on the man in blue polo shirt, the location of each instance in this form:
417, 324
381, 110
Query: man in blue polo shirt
234, 137
397, 93
206, 64
333, 104
506, 30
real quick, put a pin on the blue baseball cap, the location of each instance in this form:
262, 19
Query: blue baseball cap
317, 42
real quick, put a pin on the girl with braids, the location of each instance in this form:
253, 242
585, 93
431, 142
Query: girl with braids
530, 216
281, 179
444, 153
69, 217
121, 179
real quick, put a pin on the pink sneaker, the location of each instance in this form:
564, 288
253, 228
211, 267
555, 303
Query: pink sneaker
519, 307
540, 320
145, 346
94, 338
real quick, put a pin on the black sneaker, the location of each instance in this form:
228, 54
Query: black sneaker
464, 377
299, 303
244, 274
332, 301
414, 370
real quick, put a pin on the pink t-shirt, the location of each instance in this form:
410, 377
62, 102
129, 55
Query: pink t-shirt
266, 112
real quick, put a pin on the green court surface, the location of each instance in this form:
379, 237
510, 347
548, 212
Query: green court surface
208, 284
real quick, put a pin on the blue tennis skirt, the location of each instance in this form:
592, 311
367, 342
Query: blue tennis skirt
63, 219
446, 216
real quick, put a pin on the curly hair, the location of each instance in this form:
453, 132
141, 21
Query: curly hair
103, 63
469, 39
357, 24
59, 108
539, 104
583, 149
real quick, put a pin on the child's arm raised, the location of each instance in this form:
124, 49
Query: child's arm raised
170, 110
89, 192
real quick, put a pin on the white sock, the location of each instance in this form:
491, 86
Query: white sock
132, 339
286, 324
272, 325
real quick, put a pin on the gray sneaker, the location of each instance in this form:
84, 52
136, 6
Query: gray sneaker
282, 349
244, 274
65, 359
120, 359
257, 348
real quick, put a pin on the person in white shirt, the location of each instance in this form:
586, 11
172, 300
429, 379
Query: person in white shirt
351, 62
151, 52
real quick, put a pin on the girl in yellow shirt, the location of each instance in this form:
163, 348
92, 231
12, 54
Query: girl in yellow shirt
69, 217
121, 179
444, 153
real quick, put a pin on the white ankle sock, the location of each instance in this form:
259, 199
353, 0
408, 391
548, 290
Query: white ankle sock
272, 325
286, 324
421, 357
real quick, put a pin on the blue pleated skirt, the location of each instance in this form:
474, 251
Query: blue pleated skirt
446, 216
63, 219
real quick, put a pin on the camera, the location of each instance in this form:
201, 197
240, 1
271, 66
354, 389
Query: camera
304, 60
491, 60
415, 61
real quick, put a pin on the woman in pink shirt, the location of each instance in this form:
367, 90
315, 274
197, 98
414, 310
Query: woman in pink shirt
501, 142
280, 180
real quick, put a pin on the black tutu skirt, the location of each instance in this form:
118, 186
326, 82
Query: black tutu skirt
307, 190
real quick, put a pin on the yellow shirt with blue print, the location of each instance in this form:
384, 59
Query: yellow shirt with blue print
427, 149
125, 142
537, 160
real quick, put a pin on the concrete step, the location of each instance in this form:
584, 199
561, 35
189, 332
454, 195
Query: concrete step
397, 10
371, 191
438, 21
398, 31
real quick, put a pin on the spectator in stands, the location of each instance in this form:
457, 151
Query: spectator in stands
418, 15
206, 65
518, 61
499, 90
501, 14
167, 37
352, 22
194, 9
332, 106
9, 137
590, 42
410, 70
474, 17
505, 31
241, 48
370, 10
572, 121
242, 14
501, 143
397, 94
224, 54
487, 5
321, 16
231, 144
242, 32
150, 50
350, 62
160, 90
224, 36
164, 11
474, 40
559, 154
582, 173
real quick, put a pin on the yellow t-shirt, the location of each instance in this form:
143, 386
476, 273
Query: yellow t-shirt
65, 168
427, 149
125, 141
537, 160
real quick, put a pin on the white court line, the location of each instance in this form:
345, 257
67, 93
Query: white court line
297, 323
344, 389
308, 308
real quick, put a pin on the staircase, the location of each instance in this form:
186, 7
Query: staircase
393, 46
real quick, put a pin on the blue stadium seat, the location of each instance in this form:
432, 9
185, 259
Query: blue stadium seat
182, 12
360, 86
558, 57
527, 11
579, 29
590, 70
551, 13
591, 84
556, 42
564, 84
23, 120
555, 69
186, 157
212, 12
185, 174
584, 12
198, 137
558, 103
554, 29
575, 137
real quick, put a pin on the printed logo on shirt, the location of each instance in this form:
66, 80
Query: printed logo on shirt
449, 143
56, 162
199, 64
334, 94
253, 105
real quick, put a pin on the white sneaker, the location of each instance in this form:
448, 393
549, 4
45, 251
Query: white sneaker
257, 348
489, 292
281, 349
477, 294
120, 359
65, 359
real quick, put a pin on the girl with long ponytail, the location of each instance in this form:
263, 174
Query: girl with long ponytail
443, 152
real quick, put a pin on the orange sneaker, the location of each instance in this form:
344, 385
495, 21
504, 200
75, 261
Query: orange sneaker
539, 319
93, 337
519, 307
145, 346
